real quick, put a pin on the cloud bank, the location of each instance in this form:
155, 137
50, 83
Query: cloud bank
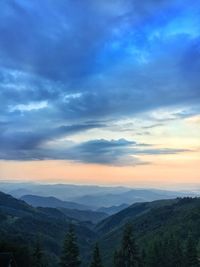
68, 66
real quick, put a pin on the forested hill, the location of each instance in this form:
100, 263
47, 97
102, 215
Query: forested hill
159, 224
130, 213
154, 224
21, 225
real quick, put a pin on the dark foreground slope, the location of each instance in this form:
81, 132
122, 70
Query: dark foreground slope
21, 224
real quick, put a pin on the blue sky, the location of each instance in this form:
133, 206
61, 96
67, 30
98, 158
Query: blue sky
99, 82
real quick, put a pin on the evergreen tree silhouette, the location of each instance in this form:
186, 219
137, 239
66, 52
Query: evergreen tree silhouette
128, 255
38, 255
191, 257
96, 260
118, 258
70, 256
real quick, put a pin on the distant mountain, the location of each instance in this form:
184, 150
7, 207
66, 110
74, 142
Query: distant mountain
90, 195
61, 191
113, 209
128, 197
52, 202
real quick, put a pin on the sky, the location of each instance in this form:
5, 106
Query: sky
100, 91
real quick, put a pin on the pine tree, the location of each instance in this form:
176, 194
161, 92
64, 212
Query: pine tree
38, 255
176, 253
118, 259
96, 260
155, 254
129, 248
191, 258
128, 255
70, 255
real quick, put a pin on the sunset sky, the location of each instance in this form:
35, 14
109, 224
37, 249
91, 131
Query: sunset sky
100, 91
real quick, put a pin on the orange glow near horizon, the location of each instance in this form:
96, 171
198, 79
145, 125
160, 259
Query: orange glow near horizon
165, 173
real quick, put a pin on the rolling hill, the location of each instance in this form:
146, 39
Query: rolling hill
52, 202
113, 209
129, 197
62, 191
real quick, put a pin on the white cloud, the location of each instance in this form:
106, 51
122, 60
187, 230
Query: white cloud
29, 107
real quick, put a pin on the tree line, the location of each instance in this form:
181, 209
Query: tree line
165, 252
168, 251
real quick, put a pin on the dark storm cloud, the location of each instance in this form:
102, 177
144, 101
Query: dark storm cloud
92, 60
115, 152
120, 152
28, 140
